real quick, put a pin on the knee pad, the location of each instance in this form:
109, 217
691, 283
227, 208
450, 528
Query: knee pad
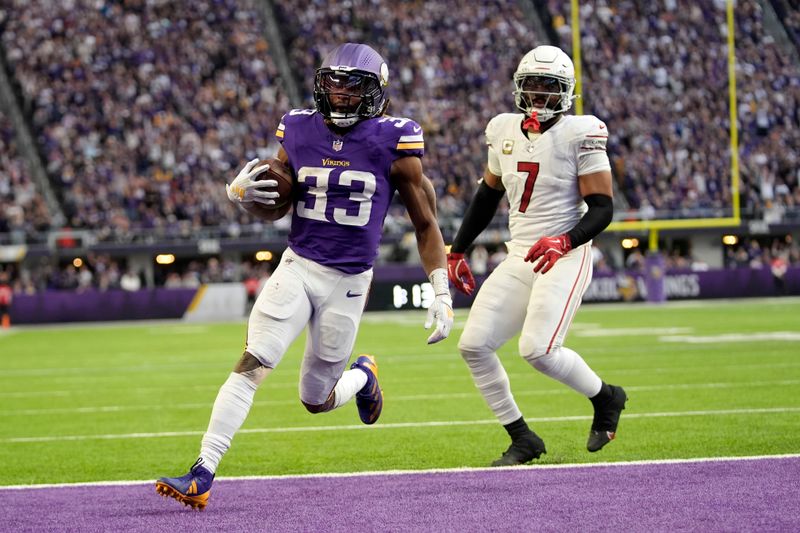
532, 349
473, 344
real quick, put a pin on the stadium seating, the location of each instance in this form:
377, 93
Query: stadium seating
669, 124
23, 211
451, 65
142, 109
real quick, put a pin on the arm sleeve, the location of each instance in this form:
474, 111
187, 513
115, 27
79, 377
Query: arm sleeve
479, 214
596, 219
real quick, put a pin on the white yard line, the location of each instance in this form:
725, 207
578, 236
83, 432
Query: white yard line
759, 336
396, 425
432, 471
406, 398
629, 332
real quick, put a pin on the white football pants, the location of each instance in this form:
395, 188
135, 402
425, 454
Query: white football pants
301, 292
514, 299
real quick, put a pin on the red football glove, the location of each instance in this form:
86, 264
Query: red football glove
550, 249
459, 273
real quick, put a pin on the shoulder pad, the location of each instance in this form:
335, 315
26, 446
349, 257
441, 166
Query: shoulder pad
406, 135
501, 123
292, 117
590, 133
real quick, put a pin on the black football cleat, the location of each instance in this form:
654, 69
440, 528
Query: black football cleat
606, 419
522, 450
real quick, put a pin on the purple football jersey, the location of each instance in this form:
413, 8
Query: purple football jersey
343, 186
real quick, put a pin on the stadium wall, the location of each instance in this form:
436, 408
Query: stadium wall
394, 288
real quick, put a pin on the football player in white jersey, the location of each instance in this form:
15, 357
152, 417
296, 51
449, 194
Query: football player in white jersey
556, 173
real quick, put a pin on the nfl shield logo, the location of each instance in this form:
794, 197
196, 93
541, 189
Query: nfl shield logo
337, 145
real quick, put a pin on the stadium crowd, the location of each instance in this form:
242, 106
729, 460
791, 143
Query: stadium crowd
104, 272
670, 124
143, 108
22, 207
451, 66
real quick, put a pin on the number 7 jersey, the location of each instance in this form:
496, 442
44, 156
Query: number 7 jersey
541, 176
343, 188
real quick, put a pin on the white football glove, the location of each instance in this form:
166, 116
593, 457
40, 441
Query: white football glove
245, 189
441, 312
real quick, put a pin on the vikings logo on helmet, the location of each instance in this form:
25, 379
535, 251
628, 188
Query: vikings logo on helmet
545, 81
350, 85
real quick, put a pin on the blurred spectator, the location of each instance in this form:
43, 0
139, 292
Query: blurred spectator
497, 257
130, 281
6, 298
635, 261
479, 260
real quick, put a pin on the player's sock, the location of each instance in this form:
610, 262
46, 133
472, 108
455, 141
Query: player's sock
569, 368
491, 379
231, 407
348, 385
603, 396
517, 429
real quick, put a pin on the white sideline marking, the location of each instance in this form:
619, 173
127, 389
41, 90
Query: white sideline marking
409, 398
456, 470
396, 425
735, 337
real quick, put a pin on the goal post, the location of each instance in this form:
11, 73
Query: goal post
654, 225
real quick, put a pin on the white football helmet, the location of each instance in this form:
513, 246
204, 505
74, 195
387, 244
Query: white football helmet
537, 69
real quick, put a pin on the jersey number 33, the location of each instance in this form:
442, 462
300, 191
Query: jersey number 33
317, 210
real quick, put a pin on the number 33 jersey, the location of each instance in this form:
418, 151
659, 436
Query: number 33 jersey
343, 189
541, 176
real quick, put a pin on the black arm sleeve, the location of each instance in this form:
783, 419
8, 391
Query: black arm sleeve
479, 214
596, 219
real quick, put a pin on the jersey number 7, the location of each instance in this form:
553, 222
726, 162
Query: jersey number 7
533, 170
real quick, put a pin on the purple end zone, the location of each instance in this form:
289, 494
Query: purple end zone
704, 496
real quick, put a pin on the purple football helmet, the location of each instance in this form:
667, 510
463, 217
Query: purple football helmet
350, 85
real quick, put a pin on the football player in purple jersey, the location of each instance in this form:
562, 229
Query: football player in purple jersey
349, 158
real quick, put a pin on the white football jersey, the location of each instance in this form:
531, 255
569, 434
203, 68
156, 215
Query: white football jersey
541, 176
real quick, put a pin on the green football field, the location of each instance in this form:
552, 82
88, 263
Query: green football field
131, 401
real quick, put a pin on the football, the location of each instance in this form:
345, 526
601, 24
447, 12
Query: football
281, 173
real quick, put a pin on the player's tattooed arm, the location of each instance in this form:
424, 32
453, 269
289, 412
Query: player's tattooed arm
283, 156
251, 368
